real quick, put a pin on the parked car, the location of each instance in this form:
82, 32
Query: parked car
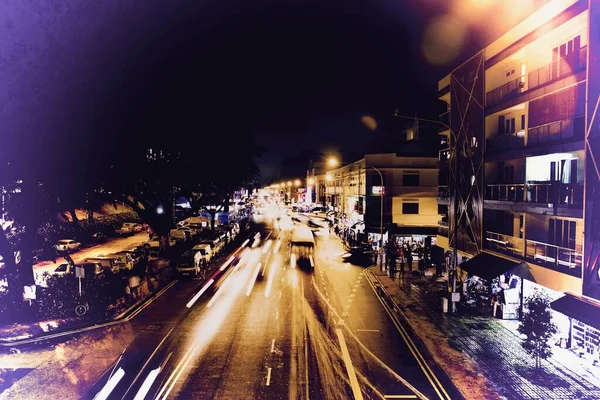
181, 234
129, 259
188, 265
156, 242
129, 228
202, 252
91, 269
107, 262
216, 245
67, 245
98, 237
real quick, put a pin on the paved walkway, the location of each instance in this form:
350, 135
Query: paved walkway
466, 342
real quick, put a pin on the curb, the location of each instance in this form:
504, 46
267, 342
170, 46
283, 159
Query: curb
384, 295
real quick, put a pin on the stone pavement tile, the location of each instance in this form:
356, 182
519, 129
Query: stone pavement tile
485, 345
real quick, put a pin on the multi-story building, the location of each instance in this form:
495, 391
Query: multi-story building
408, 191
316, 184
520, 175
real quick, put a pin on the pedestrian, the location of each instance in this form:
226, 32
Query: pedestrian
402, 264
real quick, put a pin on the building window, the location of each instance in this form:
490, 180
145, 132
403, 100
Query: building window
410, 208
410, 179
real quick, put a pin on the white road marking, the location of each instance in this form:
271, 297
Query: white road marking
352, 295
367, 330
345, 314
354, 290
280, 294
268, 376
349, 367
277, 315
272, 345
347, 307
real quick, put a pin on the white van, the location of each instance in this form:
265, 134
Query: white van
107, 262
202, 252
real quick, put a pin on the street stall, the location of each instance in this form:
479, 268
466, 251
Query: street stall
493, 286
583, 336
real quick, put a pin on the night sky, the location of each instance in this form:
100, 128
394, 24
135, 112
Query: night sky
298, 75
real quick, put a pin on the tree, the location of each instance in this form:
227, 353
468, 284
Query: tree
538, 327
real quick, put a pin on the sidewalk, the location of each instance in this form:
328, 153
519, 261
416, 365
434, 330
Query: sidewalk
482, 356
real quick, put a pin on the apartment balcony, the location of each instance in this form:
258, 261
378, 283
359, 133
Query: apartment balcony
558, 131
563, 67
505, 244
443, 228
505, 141
509, 89
558, 193
551, 72
505, 192
558, 258
561, 259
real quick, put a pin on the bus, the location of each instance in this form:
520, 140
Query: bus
302, 247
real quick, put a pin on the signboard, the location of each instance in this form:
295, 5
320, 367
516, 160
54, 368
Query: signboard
377, 190
29, 292
79, 271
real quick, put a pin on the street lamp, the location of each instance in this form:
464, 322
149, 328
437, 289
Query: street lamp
333, 162
311, 181
297, 182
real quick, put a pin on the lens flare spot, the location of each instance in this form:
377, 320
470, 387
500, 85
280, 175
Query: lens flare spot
443, 40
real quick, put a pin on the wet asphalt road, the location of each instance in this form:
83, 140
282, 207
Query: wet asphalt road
263, 329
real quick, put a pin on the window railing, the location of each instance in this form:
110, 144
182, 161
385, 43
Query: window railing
560, 68
556, 131
558, 258
504, 243
505, 141
443, 192
561, 194
443, 228
505, 192
500, 93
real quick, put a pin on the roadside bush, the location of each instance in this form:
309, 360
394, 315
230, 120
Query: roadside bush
60, 298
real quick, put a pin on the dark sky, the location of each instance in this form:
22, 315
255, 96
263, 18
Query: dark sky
296, 74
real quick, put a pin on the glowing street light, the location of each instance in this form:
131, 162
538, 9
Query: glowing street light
297, 182
311, 181
289, 183
332, 162
328, 177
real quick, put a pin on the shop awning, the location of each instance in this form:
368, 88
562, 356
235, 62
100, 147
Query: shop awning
487, 266
579, 308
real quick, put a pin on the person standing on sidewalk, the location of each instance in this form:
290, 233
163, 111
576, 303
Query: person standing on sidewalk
402, 262
409, 258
